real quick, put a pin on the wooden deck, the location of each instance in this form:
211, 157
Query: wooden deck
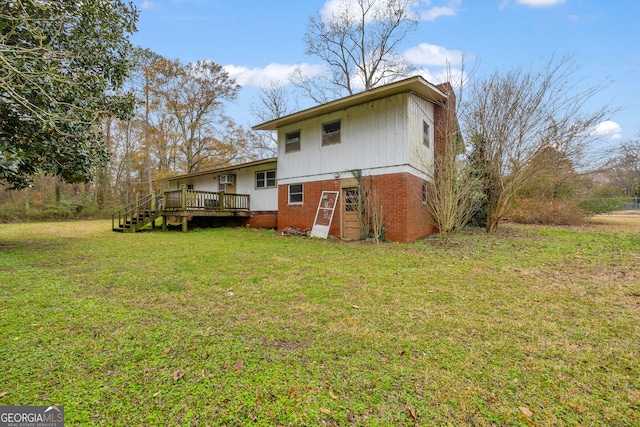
182, 204
189, 203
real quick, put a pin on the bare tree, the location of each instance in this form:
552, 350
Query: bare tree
513, 116
625, 166
272, 103
454, 192
194, 94
453, 195
374, 211
359, 43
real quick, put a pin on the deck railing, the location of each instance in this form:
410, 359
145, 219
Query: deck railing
204, 200
127, 218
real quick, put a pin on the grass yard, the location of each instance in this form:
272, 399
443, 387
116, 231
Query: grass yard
533, 326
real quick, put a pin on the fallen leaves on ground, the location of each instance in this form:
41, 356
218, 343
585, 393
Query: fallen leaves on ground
526, 411
412, 413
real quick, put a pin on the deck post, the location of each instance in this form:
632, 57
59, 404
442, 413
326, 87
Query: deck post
152, 214
164, 203
222, 201
183, 199
184, 224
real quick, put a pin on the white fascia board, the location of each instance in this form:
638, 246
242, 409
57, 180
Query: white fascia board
387, 170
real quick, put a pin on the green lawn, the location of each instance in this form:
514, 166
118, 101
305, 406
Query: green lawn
533, 326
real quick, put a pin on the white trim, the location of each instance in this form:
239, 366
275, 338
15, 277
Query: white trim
387, 170
414, 84
289, 202
266, 180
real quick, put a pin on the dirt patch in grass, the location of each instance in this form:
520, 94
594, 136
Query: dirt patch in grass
619, 221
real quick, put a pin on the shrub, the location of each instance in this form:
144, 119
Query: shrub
598, 205
537, 210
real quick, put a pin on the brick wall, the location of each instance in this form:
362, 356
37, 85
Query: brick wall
446, 124
266, 219
401, 195
302, 215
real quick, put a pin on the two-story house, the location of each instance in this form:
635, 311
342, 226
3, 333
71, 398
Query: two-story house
387, 136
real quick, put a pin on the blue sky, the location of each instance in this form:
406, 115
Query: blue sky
259, 41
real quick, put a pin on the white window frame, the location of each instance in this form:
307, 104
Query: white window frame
425, 192
292, 142
265, 179
426, 133
301, 193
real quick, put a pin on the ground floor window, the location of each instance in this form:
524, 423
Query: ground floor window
424, 191
266, 179
295, 194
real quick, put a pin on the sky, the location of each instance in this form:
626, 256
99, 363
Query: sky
261, 41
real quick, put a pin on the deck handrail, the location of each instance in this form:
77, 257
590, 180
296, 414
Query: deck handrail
134, 209
185, 199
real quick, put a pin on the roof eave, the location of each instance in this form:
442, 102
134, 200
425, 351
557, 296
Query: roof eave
415, 84
218, 170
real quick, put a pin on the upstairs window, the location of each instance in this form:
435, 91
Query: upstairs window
266, 179
331, 133
292, 142
426, 134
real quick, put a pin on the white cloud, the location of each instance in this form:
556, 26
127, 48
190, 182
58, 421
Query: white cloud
436, 12
540, 3
430, 54
272, 73
337, 7
147, 4
449, 9
438, 64
531, 3
608, 128
455, 76
330, 7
